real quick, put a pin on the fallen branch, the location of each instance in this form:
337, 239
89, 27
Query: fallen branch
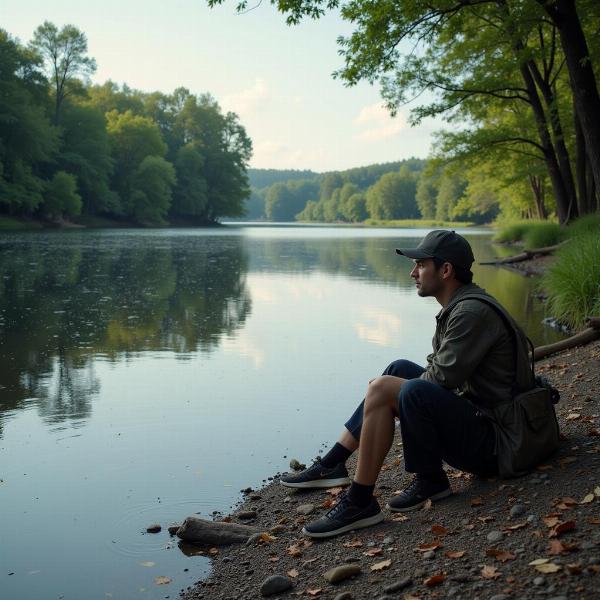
579, 339
526, 255
594, 322
214, 533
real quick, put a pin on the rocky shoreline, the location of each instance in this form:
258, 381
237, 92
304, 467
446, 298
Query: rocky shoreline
533, 537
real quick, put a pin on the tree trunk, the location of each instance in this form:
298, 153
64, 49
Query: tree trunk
581, 167
537, 187
583, 81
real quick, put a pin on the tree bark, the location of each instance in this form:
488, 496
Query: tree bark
583, 81
581, 166
214, 533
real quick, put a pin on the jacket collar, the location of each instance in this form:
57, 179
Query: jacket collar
463, 290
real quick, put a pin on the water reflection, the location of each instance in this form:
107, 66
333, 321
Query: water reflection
67, 298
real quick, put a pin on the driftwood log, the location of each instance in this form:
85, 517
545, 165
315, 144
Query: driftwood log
214, 533
526, 255
583, 337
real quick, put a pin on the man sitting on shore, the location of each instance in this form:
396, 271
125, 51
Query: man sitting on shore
472, 367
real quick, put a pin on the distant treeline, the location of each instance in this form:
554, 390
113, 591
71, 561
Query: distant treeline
68, 147
408, 189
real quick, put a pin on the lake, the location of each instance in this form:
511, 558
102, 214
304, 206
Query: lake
152, 374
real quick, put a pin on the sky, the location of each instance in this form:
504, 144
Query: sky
277, 78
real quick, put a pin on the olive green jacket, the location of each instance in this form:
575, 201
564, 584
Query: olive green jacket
473, 350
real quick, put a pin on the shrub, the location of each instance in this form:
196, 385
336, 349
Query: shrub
538, 235
512, 232
573, 281
587, 224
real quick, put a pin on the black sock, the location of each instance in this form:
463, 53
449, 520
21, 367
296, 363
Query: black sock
338, 454
360, 494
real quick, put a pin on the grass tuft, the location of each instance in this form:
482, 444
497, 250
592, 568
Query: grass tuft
539, 235
573, 281
513, 232
583, 225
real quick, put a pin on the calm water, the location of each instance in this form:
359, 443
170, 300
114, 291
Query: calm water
149, 375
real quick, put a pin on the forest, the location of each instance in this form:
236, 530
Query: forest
70, 150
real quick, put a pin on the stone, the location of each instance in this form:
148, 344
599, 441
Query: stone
246, 515
499, 597
278, 529
343, 596
398, 585
558, 598
429, 555
305, 509
214, 533
516, 511
539, 581
275, 585
342, 572
155, 528
296, 465
460, 577
255, 497
453, 591
494, 536
532, 518
172, 529
388, 540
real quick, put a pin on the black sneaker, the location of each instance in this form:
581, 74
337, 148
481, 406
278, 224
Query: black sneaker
344, 516
418, 492
317, 476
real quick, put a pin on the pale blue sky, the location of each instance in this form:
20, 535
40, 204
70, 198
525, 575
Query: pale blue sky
277, 78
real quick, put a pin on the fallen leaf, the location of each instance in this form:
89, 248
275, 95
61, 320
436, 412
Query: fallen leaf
327, 503
488, 572
597, 491
455, 553
400, 518
309, 561
551, 521
384, 564
373, 552
293, 573
562, 528
274, 559
266, 538
434, 580
438, 530
162, 580
594, 520
314, 592
573, 416
556, 547
355, 543
501, 555
588, 498
431, 546
548, 568
336, 491
428, 504
516, 526
477, 501
485, 519
538, 561
213, 551
574, 568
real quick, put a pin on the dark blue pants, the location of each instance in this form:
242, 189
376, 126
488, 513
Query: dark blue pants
436, 425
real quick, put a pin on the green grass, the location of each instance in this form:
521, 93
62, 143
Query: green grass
416, 223
512, 232
534, 234
587, 224
573, 281
11, 224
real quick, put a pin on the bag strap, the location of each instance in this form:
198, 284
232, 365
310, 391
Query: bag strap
513, 334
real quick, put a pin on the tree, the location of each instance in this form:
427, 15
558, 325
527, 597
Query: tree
61, 197
151, 196
64, 54
190, 196
393, 197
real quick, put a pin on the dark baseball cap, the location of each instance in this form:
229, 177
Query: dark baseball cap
449, 246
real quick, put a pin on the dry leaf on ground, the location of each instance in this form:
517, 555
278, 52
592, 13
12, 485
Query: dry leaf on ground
428, 504
355, 543
373, 552
588, 498
266, 537
431, 546
562, 528
384, 564
550, 520
548, 568
162, 580
293, 573
477, 501
336, 491
501, 555
516, 526
400, 518
455, 553
438, 530
434, 580
489, 572
314, 592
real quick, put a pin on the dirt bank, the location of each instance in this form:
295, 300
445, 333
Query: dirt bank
479, 543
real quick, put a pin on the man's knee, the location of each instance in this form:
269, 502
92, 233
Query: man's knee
398, 368
380, 394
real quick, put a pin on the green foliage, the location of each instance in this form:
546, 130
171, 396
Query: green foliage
151, 196
393, 197
584, 225
573, 281
539, 235
512, 232
284, 201
61, 197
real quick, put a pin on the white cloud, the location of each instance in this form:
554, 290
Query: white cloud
249, 101
377, 124
279, 155
377, 327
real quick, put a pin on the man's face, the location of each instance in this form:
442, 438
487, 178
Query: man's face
428, 279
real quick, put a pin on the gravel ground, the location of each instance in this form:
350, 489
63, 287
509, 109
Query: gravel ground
533, 537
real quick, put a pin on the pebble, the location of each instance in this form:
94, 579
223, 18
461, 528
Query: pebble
539, 581
398, 585
558, 598
388, 540
305, 509
460, 577
494, 536
342, 572
343, 596
296, 465
429, 555
587, 545
499, 597
452, 592
532, 518
173, 529
246, 514
154, 528
593, 560
253, 539
418, 573
255, 496
517, 510
275, 585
